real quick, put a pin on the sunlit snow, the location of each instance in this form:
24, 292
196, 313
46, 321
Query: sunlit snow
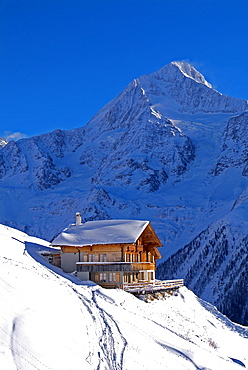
52, 320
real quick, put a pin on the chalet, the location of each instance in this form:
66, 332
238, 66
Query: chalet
110, 252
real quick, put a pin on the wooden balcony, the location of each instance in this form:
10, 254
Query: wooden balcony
103, 266
139, 266
148, 287
114, 266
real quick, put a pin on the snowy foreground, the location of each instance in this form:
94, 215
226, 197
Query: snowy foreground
51, 320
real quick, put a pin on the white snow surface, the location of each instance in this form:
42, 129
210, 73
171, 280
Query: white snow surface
3, 142
101, 232
189, 71
52, 320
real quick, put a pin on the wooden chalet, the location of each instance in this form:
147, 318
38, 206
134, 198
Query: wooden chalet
110, 252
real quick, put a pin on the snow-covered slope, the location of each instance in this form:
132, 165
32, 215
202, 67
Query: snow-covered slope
215, 266
51, 320
235, 145
179, 86
3, 142
169, 149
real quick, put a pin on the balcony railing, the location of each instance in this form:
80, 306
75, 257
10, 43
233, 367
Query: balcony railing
114, 266
147, 287
138, 266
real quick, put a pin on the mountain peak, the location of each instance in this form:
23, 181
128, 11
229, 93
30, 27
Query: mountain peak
3, 142
189, 71
176, 70
178, 88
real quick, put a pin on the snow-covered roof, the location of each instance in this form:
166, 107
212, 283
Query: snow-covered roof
101, 232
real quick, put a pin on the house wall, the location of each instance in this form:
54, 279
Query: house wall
97, 253
139, 277
136, 254
71, 255
83, 275
56, 260
117, 278
68, 261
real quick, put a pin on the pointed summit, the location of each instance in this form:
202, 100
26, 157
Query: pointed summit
189, 71
179, 88
176, 70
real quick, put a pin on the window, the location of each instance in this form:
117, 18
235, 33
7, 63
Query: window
91, 258
102, 257
117, 277
150, 275
103, 278
114, 277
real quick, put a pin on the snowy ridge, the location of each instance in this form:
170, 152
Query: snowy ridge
179, 88
191, 72
3, 142
107, 329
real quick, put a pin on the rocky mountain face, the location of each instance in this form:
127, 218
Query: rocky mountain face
235, 145
37, 160
170, 149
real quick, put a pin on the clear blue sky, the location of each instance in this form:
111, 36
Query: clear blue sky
62, 60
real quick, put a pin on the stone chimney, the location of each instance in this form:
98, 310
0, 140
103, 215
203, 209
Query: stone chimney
78, 218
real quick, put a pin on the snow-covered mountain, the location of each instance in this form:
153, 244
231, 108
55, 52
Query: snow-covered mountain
52, 320
3, 142
235, 145
215, 266
169, 149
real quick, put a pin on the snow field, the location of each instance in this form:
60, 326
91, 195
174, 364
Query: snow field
51, 320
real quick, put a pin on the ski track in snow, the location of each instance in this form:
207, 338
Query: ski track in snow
108, 327
111, 350
52, 320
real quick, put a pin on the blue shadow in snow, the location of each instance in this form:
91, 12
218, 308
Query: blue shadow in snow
35, 250
237, 361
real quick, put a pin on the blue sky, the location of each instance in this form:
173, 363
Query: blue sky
62, 60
